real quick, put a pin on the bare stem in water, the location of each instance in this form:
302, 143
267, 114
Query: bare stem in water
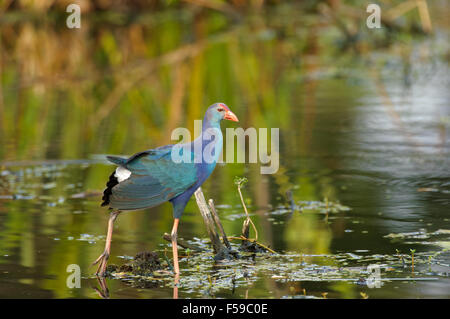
240, 182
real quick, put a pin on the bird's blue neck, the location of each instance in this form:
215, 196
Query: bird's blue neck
208, 147
210, 123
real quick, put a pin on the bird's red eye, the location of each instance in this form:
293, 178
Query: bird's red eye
220, 110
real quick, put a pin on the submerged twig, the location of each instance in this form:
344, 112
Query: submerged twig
253, 241
182, 243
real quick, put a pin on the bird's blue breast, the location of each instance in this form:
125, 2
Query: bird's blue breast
209, 153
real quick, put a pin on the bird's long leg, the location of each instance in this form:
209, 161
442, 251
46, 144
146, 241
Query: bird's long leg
103, 258
175, 246
175, 286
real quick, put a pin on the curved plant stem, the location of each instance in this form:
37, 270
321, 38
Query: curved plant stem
255, 242
246, 212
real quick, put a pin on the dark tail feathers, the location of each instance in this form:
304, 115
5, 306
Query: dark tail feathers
108, 190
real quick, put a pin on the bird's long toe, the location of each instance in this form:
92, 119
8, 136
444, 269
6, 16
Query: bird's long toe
102, 260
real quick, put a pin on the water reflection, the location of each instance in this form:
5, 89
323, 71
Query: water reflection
368, 130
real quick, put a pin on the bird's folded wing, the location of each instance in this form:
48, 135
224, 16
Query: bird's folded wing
155, 178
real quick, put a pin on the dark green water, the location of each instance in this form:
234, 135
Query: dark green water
369, 132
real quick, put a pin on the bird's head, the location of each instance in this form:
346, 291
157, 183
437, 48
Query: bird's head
220, 111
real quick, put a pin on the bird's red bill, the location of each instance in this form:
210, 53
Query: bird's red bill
231, 116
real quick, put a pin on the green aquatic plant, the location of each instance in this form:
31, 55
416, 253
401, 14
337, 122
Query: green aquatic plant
240, 182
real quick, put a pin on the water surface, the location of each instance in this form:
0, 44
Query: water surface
368, 133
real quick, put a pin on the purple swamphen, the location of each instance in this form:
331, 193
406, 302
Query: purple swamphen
155, 176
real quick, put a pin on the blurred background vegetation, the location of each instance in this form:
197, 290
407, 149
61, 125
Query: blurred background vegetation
155, 65
137, 69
